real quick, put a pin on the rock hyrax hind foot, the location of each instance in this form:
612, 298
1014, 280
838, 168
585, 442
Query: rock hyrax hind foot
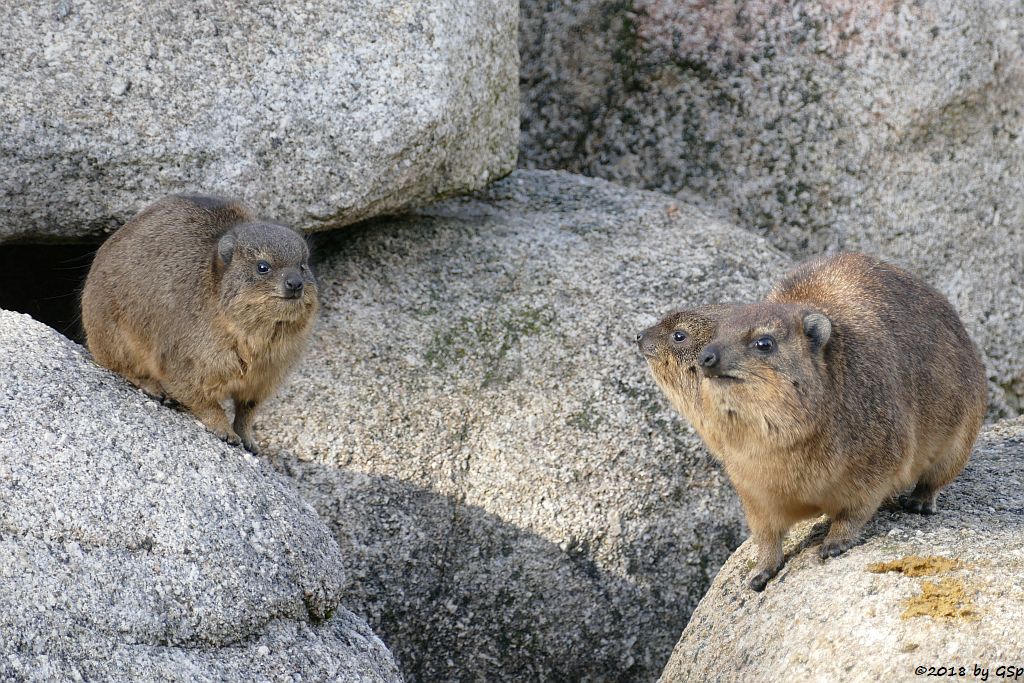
921, 500
150, 387
156, 391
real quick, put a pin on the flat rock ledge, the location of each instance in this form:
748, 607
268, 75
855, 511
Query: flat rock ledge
921, 593
134, 545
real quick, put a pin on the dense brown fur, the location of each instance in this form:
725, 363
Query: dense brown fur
176, 303
871, 385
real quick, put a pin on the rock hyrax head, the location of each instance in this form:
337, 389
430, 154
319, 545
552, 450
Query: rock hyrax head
265, 267
675, 341
765, 368
672, 345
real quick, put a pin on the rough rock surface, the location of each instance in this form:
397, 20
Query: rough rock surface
893, 128
135, 545
319, 114
518, 501
842, 621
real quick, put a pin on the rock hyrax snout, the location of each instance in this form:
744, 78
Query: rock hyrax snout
851, 382
197, 301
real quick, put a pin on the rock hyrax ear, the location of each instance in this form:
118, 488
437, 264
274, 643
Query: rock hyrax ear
226, 249
818, 329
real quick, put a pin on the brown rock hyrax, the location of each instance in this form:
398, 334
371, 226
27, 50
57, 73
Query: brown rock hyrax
671, 348
851, 382
196, 301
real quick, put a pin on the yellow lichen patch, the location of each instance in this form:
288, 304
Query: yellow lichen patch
946, 600
916, 565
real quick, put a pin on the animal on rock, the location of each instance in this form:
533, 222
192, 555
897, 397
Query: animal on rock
851, 382
196, 300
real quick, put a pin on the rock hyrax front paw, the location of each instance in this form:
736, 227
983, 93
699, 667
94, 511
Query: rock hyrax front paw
250, 446
228, 436
833, 547
759, 580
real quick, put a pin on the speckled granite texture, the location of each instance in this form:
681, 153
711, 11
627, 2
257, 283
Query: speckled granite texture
317, 114
135, 545
894, 128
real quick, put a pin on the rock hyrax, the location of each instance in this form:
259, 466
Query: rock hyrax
851, 382
671, 348
195, 300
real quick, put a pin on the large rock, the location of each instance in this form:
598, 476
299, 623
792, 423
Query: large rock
516, 499
134, 545
956, 602
319, 114
894, 129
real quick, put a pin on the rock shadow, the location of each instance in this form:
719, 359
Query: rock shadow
457, 593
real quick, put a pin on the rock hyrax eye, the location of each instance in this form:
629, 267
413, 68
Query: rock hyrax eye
263, 267
679, 336
765, 344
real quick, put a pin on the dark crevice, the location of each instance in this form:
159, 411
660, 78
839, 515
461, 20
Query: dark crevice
45, 282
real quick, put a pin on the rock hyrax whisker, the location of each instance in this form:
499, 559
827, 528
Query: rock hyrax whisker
197, 301
852, 381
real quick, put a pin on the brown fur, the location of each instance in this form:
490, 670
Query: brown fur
872, 386
174, 302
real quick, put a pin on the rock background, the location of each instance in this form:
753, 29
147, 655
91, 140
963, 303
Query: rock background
318, 114
134, 544
838, 620
473, 419
893, 128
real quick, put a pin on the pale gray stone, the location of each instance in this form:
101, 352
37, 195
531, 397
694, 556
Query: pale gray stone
515, 498
889, 128
838, 620
318, 114
135, 545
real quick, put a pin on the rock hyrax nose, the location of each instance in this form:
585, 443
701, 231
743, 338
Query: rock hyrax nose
195, 300
708, 360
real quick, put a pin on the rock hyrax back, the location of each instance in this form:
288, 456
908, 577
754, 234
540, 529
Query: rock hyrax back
195, 300
852, 381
